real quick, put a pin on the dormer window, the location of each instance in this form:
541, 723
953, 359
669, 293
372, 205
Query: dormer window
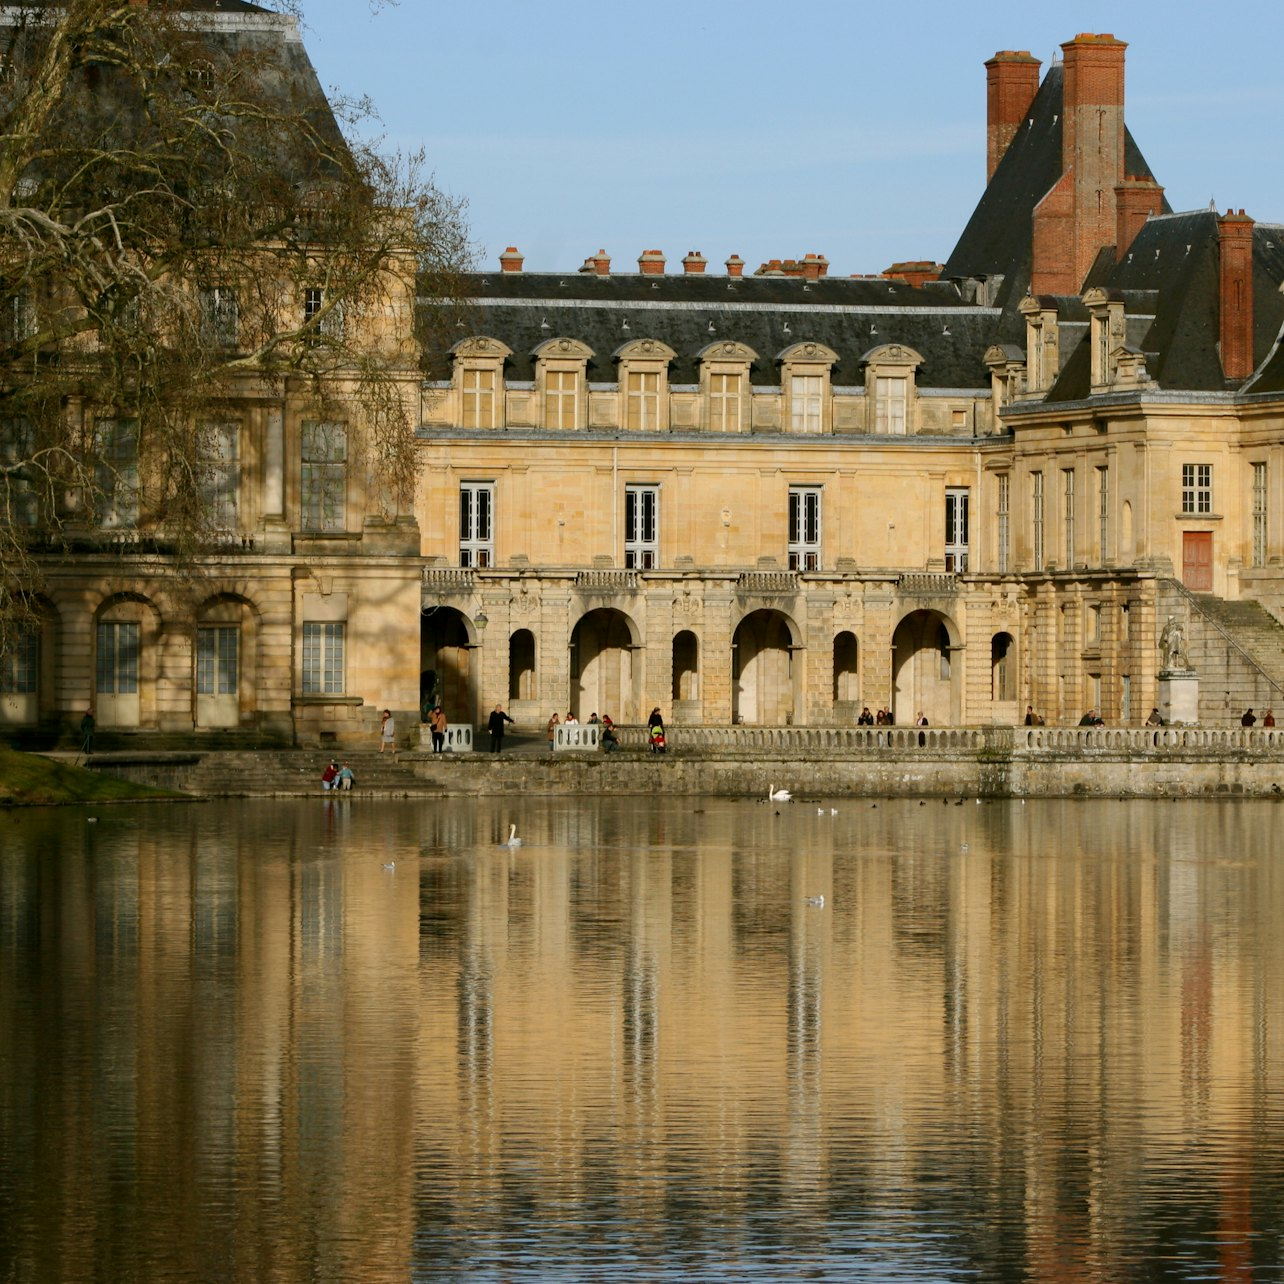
804, 380
560, 383
644, 384
479, 381
890, 389
724, 379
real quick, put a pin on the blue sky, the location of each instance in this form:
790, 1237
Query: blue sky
852, 130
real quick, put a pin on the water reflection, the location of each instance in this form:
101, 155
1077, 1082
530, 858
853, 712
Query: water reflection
1016, 1041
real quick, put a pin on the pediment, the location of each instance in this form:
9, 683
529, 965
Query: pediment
562, 349
808, 351
644, 350
892, 354
727, 350
481, 345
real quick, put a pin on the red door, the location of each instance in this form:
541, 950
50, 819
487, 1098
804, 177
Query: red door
1197, 561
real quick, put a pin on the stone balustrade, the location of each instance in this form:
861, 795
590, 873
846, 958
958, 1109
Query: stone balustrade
459, 739
577, 736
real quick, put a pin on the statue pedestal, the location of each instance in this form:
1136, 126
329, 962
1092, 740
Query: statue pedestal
1179, 696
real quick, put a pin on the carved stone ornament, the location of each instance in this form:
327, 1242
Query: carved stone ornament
685, 604
646, 346
809, 349
729, 349
524, 604
564, 345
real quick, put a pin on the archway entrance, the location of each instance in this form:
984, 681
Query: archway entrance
604, 678
925, 677
445, 664
225, 659
764, 679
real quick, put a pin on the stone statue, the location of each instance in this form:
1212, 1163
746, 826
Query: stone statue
1172, 644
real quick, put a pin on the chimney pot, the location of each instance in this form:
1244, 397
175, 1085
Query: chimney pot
651, 262
511, 260
694, 262
735, 265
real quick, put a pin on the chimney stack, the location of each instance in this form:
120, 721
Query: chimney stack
694, 263
1011, 82
1136, 199
651, 262
511, 260
1235, 246
735, 266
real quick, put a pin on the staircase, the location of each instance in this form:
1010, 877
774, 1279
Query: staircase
1237, 648
299, 771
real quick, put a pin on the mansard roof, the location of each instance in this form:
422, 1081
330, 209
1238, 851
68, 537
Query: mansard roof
998, 238
768, 314
1170, 281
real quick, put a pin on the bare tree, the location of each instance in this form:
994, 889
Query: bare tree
182, 219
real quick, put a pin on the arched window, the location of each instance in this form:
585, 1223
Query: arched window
686, 666
846, 655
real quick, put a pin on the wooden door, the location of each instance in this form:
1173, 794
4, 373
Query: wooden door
1197, 561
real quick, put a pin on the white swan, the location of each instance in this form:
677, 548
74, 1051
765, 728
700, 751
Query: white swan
778, 795
816, 902
390, 865
512, 840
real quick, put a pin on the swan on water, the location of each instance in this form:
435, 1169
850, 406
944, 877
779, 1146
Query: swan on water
390, 865
816, 902
778, 795
512, 840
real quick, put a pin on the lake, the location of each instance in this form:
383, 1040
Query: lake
662, 1039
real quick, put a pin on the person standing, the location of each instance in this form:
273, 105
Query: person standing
655, 731
553, 724
495, 725
437, 725
1268, 718
87, 725
388, 732
344, 780
1248, 719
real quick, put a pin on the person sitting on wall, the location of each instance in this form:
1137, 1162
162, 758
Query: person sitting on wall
1092, 719
610, 741
329, 774
921, 720
1155, 719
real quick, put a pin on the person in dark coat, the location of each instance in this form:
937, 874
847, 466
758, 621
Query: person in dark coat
495, 725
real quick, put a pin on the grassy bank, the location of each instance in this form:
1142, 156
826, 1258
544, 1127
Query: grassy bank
27, 779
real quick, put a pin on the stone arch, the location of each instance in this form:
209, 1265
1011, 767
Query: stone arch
29, 667
1003, 674
603, 675
126, 660
925, 677
447, 639
225, 661
686, 676
522, 685
766, 680
846, 683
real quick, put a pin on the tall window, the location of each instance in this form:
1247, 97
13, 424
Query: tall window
477, 524
1067, 511
891, 392
17, 493
1259, 515
221, 480
18, 321
1103, 515
643, 400
561, 399
20, 665
724, 402
804, 528
1196, 488
479, 398
1036, 510
805, 397
323, 645
216, 659
956, 539
117, 658
329, 325
1004, 522
641, 527
220, 316
116, 472
325, 476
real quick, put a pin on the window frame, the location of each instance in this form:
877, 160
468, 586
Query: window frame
116, 474
642, 526
1197, 489
957, 529
805, 528
1260, 513
324, 658
477, 524
323, 479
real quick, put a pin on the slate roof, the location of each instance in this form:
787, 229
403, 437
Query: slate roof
998, 238
769, 314
1171, 272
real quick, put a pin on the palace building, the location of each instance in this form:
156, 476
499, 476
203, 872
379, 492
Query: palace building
769, 497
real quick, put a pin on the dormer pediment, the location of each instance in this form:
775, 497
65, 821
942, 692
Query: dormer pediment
644, 350
893, 354
727, 350
481, 345
562, 349
807, 353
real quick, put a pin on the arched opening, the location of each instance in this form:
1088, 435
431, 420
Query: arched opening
27, 669
126, 630
846, 691
925, 678
1002, 667
603, 677
226, 660
445, 664
686, 677
521, 667
765, 680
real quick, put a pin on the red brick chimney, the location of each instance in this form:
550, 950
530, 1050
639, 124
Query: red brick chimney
1235, 243
735, 266
511, 260
1077, 218
1136, 199
814, 266
600, 262
651, 262
914, 272
1011, 82
694, 263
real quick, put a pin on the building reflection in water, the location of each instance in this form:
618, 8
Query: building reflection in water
1036, 1041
